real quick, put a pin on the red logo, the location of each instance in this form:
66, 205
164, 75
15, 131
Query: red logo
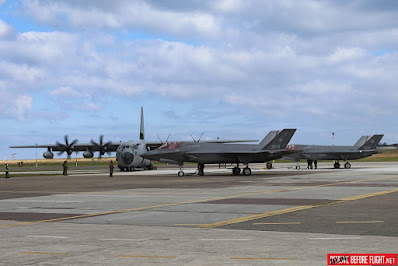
362, 259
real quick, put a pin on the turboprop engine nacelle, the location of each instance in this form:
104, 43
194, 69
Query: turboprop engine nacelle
48, 155
88, 154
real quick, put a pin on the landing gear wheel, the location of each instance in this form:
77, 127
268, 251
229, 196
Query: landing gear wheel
247, 171
150, 167
181, 173
298, 167
336, 165
236, 170
347, 165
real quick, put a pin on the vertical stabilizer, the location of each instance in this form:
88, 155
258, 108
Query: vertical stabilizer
142, 133
362, 141
372, 143
271, 135
280, 141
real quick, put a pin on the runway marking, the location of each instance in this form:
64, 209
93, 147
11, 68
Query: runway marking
146, 257
230, 239
334, 238
248, 258
292, 209
45, 253
213, 199
187, 224
57, 237
277, 223
123, 239
359, 222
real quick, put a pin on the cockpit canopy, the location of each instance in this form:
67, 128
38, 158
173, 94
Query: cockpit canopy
170, 146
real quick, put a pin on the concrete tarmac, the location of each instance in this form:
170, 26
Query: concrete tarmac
281, 216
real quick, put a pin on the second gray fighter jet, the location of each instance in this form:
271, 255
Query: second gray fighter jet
365, 147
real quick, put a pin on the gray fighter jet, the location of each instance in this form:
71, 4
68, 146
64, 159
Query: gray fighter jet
128, 153
273, 146
365, 147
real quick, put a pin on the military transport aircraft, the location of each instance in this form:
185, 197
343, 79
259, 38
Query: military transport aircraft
273, 146
365, 147
127, 153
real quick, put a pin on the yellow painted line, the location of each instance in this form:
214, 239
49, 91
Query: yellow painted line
45, 253
277, 223
359, 222
248, 258
197, 201
290, 210
369, 195
187, 224
146, 257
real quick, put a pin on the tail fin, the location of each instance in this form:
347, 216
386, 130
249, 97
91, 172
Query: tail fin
280, 140
270, 136
142, 133
362, 141
372, 143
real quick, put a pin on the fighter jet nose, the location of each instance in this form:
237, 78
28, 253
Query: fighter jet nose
127, 158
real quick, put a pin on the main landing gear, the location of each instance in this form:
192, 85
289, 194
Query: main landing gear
337, 165
200, 171
245, 171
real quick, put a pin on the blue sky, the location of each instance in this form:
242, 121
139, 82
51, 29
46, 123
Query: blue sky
229, 68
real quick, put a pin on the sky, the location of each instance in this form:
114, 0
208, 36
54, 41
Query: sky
233, 69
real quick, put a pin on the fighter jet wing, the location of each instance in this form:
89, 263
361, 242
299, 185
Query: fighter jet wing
156, 144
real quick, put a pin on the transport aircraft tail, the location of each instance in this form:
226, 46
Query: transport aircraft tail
142, 133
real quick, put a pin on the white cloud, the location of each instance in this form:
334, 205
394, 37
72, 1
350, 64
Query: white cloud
6, 31
67, 91
342, 54
14, 105
123, 14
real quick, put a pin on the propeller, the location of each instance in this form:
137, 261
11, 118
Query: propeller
164, 141
194, 140
101, 146
67, 147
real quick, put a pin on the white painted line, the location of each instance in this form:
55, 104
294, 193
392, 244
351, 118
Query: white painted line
37, 200
359, 222
58, 237
211, 239
334, 238
123, 239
